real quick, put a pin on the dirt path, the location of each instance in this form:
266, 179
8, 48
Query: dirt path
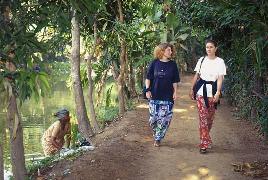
125, 150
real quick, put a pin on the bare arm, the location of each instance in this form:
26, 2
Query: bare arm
192, 85
147, 85
219, 85
175, 87
194, 80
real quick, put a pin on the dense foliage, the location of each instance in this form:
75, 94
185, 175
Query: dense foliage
241, 29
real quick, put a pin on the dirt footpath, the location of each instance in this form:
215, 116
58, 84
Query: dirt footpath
125, 150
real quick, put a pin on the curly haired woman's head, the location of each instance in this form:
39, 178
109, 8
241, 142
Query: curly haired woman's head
160, 50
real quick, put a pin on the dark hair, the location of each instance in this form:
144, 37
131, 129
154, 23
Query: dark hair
212, 42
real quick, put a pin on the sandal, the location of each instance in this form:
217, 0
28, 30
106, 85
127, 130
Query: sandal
203, 150
156, 143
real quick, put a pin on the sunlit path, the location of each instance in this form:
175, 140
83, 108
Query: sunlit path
125, 150
179, 157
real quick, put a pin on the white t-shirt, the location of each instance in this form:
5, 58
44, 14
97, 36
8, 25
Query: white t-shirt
211, 69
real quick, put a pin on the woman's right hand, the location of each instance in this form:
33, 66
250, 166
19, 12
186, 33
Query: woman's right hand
148, 94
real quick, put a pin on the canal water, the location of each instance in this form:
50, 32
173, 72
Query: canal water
36, 118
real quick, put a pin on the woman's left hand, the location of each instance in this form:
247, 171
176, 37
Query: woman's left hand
216, 97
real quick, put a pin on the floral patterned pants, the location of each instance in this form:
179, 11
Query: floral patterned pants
206, 116
160, 117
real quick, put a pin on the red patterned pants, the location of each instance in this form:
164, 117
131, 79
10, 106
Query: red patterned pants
206, 116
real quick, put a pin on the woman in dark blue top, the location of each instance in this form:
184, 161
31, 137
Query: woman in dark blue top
161, 90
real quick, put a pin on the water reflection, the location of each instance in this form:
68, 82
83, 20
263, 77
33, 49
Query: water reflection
36, 118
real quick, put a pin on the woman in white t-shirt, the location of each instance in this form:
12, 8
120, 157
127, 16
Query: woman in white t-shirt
206, 87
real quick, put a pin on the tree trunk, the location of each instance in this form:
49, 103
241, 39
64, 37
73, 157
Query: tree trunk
100, 88
90, 83
139, 77
16, 140
81, 112
13, 117
144, 71
120, 79
132, 80
2, 138
126, 79
90, 97
2, 150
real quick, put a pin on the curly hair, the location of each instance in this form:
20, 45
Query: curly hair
160, 49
